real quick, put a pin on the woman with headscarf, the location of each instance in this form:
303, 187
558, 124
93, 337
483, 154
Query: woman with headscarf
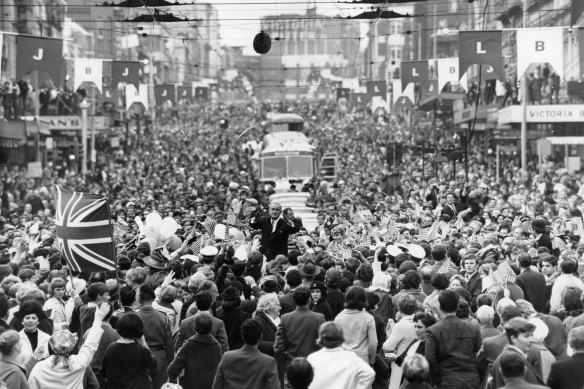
12, 372
63, 370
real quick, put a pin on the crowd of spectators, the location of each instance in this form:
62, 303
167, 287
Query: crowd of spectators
418, 281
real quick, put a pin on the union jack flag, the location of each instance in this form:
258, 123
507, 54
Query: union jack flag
84, 229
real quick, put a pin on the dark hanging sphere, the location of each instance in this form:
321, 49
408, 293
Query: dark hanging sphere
262, 43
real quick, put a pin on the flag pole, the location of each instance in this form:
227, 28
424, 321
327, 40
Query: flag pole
115, 257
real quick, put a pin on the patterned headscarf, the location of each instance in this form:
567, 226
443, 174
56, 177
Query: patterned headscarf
62, 343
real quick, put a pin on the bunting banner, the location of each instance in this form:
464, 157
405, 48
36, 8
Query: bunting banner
185, 93
540, 45
127, 72
376, 88
408, 93
84, 231
430, 90
483, 48
108, 95
88, 70
134, 95
164, 93
41, 54
403, 102
415, 72
359, 100
343, 93
448, 72
577, 10
201, 93
488, 73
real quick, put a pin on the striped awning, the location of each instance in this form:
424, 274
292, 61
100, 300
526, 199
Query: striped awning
566, 140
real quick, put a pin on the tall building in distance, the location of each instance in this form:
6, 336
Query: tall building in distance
307, 52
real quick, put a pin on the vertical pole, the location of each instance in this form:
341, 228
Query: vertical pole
524, 89
498, 163
435, 40
539, 158
420, 42
151, 86
137, 130
566, 155
127, 120
524, 125
84, 107
93, 152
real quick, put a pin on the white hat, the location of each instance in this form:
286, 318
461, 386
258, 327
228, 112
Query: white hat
209, 251
191, 257
233, 185
393, 250
416, 251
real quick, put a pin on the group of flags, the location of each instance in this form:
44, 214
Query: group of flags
485, 48
45, 55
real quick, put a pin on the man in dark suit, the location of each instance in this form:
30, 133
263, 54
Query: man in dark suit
532, 283
542, 237
276, 229
519, 332
452, 208
493, 346
203, 301
451, 347
247, 367
485, 316
569, 373
293, 280
474, 282
158, 335
513, 370
298, 330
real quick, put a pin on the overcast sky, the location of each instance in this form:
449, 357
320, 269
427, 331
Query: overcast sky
237, 31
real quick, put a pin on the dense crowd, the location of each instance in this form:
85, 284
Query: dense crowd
436, 279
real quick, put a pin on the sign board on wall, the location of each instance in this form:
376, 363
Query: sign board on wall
34, 170
74, 122
555, 113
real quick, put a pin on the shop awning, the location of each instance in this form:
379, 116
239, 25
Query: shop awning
566, 140
13, 130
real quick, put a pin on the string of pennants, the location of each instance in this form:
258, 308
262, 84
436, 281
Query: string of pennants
534, 45
44, 54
